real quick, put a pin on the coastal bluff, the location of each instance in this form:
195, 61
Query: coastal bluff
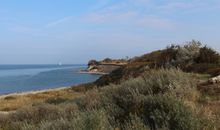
105, 66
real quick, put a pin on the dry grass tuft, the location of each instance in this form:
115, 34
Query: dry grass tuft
16, 101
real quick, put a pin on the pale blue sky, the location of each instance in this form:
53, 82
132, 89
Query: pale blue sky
74, 31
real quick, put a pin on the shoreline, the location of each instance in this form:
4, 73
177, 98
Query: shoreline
32, 92
3, 95
89, 72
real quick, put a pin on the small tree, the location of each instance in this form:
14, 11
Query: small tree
93, 62
168, 56
188, 53
208, 55
107, 60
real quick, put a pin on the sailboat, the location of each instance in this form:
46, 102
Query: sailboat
60, 64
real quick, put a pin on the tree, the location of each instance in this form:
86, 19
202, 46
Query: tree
188, 53
93, 62
208, 55
107, 60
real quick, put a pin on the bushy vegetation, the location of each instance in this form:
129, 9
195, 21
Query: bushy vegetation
168, 87
156, 97
208, 55
190, 57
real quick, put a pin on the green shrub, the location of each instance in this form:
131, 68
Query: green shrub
188, 53
204, 68
113, 77
10, 98
135, 123
208, 55
93, 120
170, 113
176, 55
91, 100
4, 120
35, 114
131, 96
56, 100
167, 57
170, 82
83, 87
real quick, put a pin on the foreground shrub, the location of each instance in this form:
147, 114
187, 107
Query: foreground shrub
56, 100
93, 120
135, 123
36, 114
171, 82
169, 113
90, 101
142, 96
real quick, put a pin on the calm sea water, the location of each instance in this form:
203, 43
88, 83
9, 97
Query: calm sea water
21, 78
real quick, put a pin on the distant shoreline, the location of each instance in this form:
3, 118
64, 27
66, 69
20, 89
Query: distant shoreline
90, 72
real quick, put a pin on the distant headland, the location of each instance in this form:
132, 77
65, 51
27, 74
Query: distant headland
105, 66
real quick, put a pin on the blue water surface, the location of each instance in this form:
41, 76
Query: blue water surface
21, 78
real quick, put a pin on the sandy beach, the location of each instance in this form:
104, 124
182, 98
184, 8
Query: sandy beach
32, 92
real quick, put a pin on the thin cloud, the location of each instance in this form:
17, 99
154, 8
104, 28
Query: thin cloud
132, 19
125, 13
187, 6
155, 22
57, 22
106, 18
176, 5
24, 29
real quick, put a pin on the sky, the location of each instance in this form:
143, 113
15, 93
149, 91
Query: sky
75, 31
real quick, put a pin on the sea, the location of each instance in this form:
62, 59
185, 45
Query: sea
23, 78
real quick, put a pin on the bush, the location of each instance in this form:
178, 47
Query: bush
107, 60
36, 114
113, 77
56, 100
93, 120
167, 57
90, 101
177, 55
9, 98
203, 68
188, 53
208, 55
170, 82
130, 97
135, 123
169, 113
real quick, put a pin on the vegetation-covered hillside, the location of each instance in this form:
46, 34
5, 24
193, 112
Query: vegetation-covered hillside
154, 91
191, 57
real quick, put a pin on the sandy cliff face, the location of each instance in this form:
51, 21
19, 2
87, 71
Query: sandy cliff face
104, 66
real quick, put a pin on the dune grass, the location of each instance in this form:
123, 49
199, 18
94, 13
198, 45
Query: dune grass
16, 101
